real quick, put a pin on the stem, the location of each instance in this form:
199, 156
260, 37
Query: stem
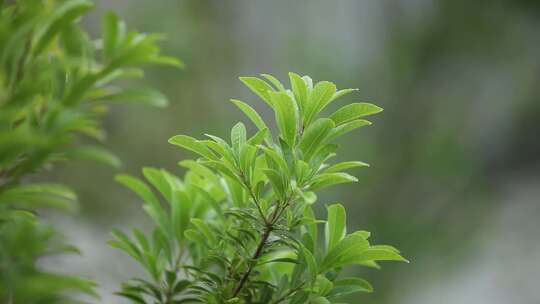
253, 261
258, 252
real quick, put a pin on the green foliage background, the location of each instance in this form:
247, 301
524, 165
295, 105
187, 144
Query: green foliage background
455, 148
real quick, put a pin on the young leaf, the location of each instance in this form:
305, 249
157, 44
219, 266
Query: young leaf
335, 228
347, 286
238, 137
344, 252
300, 90
314, 136
68, 12
320, 96
286, 116
346, 128
274, 81
344, 166
113, 33
329, 179
379, 254
353, 111
260, 87
193, 145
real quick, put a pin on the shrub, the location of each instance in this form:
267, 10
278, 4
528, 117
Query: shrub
240, 227
55, 85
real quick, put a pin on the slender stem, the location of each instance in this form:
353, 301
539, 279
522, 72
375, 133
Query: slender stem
253, 261
253, 197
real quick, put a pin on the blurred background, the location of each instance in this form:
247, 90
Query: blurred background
455, 175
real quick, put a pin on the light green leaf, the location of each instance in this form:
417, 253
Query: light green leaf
300, 90
353, 111
146, 96
39, 195
94, 153
347, 286
204, 229
157, 179
319, 300
320, 96
113, 31
346, 128
329, 179
342, 93
260, 87
275, 160
274, 81
335, 228
345, 165
238, 137
345, 252
277, 182
63, 15
379, 254
314, 135
311, 262
193, 145
286, 116
250, 113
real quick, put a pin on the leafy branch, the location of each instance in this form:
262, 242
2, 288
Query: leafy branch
243, 211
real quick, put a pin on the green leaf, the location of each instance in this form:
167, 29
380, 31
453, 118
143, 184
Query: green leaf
353, 111
320, 96
204, 229
274, 81
344, 252
159, 181
314, 135
328, 179
253, 116
152, 205
95, 154
277, 182
319, 300
238, 137
335, 228
347, 286
300, 90
342, 93
137, 186
346, 128
146, 96
39, 195
345, 165
260, 87
193, 145
311, 262
275, 160
286, 116
258, 137
379, 254
63, 15
113, 30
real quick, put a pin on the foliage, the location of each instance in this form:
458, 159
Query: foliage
240, 227
55, 85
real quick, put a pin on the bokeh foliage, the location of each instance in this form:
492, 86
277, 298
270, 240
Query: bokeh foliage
56, 83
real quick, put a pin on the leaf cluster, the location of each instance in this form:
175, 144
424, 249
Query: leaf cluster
239, 227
